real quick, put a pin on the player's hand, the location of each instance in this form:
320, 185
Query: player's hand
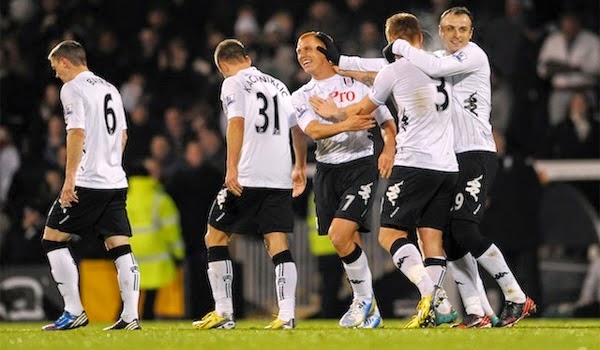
388, 54
231, 181
359, 122
385, 162
331, 51
325, 108
68, 195
299, 181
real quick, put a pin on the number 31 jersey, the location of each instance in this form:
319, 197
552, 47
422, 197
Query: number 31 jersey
264, 103
93, 104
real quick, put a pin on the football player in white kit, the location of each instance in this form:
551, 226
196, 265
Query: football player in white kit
346, 173
419, 192
465, 65
92, 199
467, 68
257, 195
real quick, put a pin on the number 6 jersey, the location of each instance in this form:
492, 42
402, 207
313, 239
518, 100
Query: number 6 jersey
264, 103
93, 104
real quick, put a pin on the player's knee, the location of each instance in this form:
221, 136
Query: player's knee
467, 234
116, 241
341, 241
214, 237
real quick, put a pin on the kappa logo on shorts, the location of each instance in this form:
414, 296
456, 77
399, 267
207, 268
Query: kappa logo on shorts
474, 187
393, 192
221, 197
365, 192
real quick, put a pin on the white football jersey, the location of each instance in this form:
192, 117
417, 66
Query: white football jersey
346, 146
468, 70
93, 104
265, 104
425, 135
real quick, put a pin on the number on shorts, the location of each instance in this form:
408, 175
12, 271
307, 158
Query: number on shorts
349, 200
458, 201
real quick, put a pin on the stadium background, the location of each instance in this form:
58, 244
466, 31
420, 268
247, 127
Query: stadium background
159, 53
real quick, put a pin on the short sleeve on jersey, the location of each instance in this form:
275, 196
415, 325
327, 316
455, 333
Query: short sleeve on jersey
72, 107
303, 111
382, 115
383, 85
232, 99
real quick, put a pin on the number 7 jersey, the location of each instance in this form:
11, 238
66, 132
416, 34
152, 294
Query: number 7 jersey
265, 104
93, 104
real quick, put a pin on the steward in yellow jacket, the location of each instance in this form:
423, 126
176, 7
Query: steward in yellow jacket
157, 241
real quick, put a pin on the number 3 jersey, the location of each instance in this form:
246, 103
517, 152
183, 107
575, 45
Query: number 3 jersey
425, 134
264, 103
346, 146
93, 104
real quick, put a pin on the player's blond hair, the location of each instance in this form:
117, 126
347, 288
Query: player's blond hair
71, 50
230, 50
403, 25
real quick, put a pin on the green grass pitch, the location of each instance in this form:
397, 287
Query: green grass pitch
529, 334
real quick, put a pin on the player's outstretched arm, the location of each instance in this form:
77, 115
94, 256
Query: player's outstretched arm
299, 171
461, 62
235, 139
366, 78
355, 122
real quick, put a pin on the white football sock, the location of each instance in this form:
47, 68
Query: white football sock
360, 278
65, 274
286, 278
467, 288
437, 274
493, 261
220, 275
408, 260
128, 274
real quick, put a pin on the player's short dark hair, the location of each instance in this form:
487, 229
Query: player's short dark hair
403, 25
71, 50
458, 10
230, 50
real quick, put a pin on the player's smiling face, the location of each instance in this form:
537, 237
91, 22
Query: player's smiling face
311, 59
456, 30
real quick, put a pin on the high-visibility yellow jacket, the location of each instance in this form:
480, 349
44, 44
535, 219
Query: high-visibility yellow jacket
319, 245
157, 240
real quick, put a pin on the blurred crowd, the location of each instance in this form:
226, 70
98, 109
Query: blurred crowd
545, 57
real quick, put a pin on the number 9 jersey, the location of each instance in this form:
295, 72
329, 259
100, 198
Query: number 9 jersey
265, 104
93, 104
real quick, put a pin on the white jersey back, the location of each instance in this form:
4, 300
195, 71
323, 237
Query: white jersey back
425, 135
346, 146
93, 104
468, 70
265, 104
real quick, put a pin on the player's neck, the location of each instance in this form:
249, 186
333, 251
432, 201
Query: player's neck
323, 74
75, 72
